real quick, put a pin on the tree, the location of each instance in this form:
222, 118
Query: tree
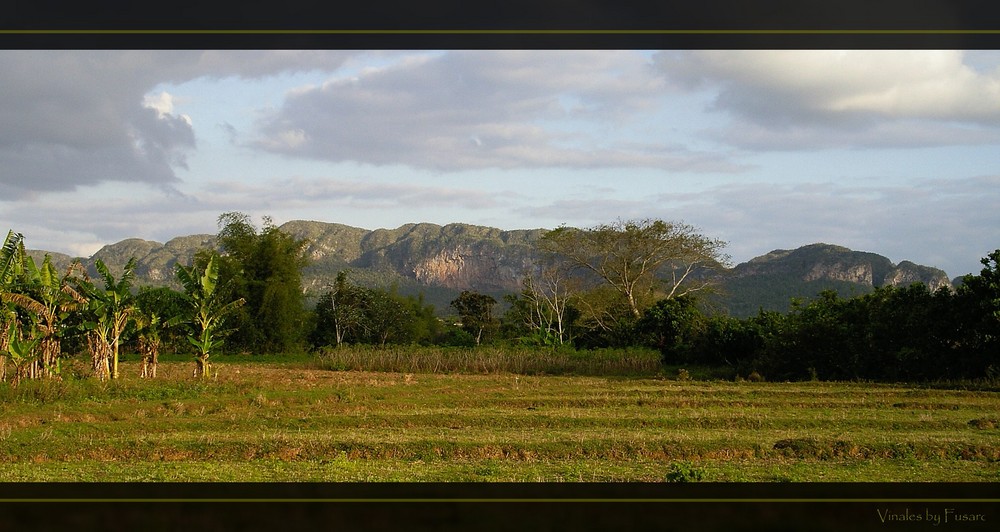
476, 312
544, 302
351, 313
338, 313
111, 308
47, 298
209, 310
167, 304
263, 267
11, 267
386, 317
977, 315
671, 326
630, 255
148, 328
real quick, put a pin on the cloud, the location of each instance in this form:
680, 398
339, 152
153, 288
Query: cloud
783, 95
474, 110
298, 193
80, 118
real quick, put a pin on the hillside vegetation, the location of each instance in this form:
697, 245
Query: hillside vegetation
441, 261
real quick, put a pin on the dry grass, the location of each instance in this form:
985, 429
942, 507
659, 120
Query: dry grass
265, 422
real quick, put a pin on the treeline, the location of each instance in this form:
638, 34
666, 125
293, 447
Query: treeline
620, 285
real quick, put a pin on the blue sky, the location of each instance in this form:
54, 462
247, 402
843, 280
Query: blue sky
894, 152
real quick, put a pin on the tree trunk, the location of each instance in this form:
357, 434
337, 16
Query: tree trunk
202, 368
114, 358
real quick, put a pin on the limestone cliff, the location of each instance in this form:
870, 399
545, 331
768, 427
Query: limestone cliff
440, 261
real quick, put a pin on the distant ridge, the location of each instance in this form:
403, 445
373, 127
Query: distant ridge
440, 261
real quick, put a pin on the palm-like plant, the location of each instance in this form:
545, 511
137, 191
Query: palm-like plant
11, 266
148, 325
112, 308
21, 352
47, 297
201, 288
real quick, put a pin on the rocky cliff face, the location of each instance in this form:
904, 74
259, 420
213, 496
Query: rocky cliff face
455, 257
825, 262
464, 267
906, 273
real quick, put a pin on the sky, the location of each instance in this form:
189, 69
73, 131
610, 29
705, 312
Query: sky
895, 152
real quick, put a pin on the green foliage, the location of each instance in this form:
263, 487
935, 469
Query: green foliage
633, 257
208, 310
170, 306
476, 312
671, 326
264, 268
350, 314
684, 472
110, 309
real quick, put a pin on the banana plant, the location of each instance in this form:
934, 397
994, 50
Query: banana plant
112, 308
21, 351
148, 325
11, 268
201, 288
48, 298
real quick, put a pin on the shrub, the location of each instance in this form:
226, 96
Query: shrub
684, 472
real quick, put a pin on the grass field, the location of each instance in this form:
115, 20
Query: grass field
299, 421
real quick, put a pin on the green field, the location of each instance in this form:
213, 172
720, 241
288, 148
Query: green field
298, 421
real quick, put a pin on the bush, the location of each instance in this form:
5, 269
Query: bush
684, 472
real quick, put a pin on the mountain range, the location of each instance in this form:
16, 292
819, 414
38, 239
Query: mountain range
441, 261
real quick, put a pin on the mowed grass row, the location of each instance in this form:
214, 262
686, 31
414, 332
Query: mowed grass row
265, 422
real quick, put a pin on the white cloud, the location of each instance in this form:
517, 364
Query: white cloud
422, 112
86, 117
788, 91
163, 104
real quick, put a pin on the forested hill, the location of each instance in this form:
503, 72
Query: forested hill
770, 281
440, 261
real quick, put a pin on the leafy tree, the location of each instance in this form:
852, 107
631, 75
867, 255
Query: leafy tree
339, 313
386, 317
423, 326
111, 309
166, 304
209, 310
977, 317
11, 267
47, 298
263, 267
149, 326
605, 319
476, 312
351, 313
630, 255
671, 326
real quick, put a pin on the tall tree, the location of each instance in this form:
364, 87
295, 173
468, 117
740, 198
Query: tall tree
264, 267
112, 308
978, 316
632, 257
476, 312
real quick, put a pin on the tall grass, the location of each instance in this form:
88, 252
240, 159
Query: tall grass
492, 360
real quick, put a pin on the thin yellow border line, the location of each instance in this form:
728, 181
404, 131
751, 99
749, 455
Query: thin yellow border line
492, 32
497, 500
